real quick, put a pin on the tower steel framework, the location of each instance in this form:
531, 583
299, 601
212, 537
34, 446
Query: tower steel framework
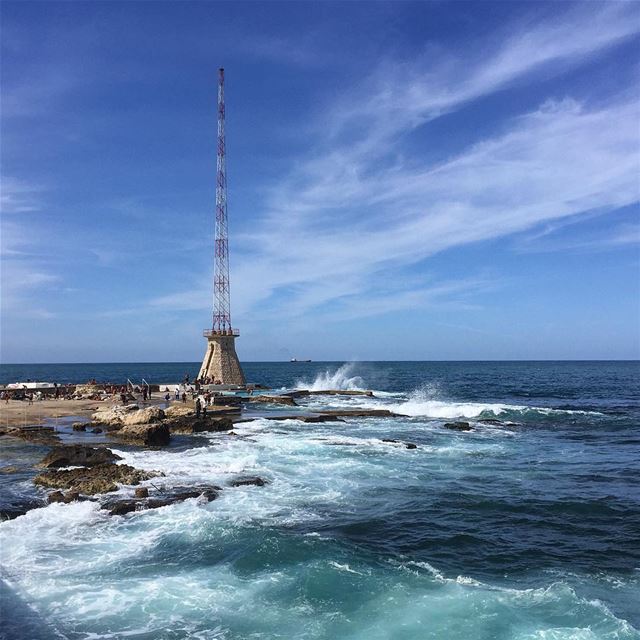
221, 286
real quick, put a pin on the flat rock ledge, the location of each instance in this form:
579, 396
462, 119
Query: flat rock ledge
35, 434
189, 424
284, 399
156, 434
301, 393
75, 455
101, 478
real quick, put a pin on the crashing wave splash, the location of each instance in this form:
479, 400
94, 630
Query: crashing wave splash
342, 378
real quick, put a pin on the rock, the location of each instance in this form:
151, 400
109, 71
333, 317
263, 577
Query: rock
18, 508
177, 494
80, 426
141, 492
458, 426
58, 496
123, 507
363, 413
408, 445
143, 416
243, 482
284, 400
191, 424
36, 434
10, 469
96, 430
178, 411
305, 418
108, 416
72, 455
148, 435
490, 421
101, 478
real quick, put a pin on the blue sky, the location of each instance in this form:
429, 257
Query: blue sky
440, 180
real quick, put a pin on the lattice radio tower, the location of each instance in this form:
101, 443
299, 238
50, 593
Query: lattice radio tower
221, 301
221, 362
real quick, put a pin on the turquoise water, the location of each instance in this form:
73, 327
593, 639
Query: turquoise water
524, 530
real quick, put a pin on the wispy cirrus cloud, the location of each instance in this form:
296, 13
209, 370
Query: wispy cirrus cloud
359, 207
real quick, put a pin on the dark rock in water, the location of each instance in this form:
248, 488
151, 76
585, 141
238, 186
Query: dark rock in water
155, 434
490, 421
408, 445
80, 426
18, 508
101, 478
96, 430
36, 434
243, 482
56, 496
176, 494
141, 492
306, 418
123, 507
362, 413
283, 399
458, 426
73, 455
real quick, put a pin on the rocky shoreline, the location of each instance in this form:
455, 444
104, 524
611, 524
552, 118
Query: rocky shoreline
76, 471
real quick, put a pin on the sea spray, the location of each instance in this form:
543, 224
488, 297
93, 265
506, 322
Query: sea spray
341, 378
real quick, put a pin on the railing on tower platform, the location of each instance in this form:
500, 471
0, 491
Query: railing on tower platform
211, 333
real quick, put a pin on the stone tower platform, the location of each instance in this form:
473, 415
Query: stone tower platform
221, 360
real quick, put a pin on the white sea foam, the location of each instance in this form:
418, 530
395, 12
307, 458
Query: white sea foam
342, 378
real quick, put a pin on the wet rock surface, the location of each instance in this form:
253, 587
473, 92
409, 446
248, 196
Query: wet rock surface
101, 478
72, 455
189, 424
284, 399
164, 498
156, 434
458, 426
36, 434
248, 481
19, 507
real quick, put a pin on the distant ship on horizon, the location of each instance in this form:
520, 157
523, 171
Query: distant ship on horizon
296, 360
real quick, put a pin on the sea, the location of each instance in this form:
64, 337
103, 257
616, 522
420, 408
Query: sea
525, 528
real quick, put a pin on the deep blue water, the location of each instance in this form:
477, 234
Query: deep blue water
525, 529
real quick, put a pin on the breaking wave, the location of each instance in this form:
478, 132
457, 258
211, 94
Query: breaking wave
342, 378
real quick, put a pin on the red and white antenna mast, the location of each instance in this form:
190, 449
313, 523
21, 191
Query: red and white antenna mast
221, 299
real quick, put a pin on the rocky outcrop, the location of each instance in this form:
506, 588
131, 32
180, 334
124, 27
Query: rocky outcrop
305, 418
244, 482
18, 507
65, 498
408, 445
176, 494
35, 434
458, 426
191, 424
362, 413
143, 416
73, 455
286, 400
149, 435
101, 478
127, 415
301, 393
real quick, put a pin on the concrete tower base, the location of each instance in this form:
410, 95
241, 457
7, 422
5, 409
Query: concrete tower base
221, 360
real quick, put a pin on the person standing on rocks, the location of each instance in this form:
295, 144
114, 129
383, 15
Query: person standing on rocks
184, 397
198, 407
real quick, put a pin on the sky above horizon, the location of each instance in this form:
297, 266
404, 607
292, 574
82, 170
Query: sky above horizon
443, 180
